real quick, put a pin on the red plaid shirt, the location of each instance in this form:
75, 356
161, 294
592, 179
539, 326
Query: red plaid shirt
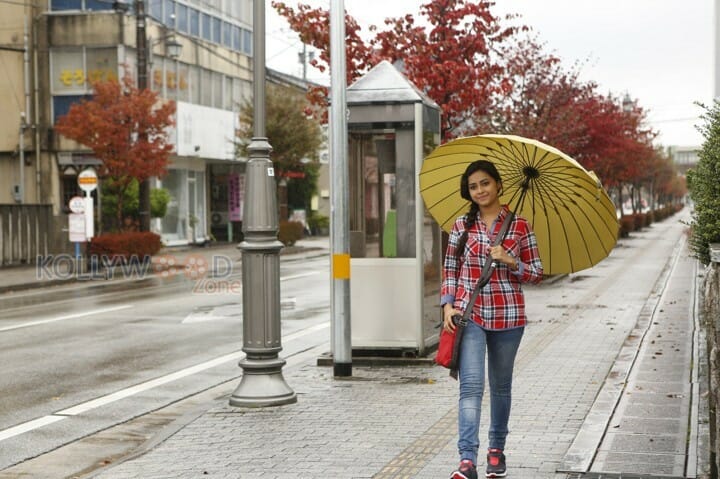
501, 303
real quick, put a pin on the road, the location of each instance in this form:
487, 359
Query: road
83, 357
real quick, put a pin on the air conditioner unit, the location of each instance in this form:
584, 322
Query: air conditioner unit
219, 218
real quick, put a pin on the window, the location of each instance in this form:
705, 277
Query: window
194, 22
247, 42
66, 5
155, 9
74, 69
194, 85
227, 93
59, 5
183, 82
205, 87
95, 5
227, 34
216, 30
61, 104
217, 90
169, 13
205, 26
237, 38
182, 18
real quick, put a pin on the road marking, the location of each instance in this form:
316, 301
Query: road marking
301, 275
29, 426
63, 318
127, 392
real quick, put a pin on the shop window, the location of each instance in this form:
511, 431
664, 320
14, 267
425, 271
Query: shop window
61, 104
96, 5
66, 5
59, 5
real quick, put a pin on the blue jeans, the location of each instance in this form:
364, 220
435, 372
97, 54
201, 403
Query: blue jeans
501, 349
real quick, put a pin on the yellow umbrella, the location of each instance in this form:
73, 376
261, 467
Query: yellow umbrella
573, 218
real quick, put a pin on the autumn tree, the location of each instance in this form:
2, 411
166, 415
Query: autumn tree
295, 138
453, 59
126, 129
544, 100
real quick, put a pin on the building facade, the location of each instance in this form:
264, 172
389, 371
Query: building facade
51, 52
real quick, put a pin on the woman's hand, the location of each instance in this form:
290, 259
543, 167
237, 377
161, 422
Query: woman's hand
498, 253
448, 313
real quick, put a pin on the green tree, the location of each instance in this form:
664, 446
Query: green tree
130, 203
295, 137
704, 186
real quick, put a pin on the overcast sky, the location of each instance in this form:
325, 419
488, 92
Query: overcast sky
658, 51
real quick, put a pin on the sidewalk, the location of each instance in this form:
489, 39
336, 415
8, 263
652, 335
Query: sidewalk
571, 418
168, 261
608, 384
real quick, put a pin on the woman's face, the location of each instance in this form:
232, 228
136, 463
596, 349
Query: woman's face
483, 189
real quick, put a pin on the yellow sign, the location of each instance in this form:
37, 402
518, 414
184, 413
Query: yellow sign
78, 77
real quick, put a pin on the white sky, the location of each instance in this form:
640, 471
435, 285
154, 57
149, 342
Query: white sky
659, 51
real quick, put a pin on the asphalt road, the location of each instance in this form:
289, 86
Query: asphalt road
81, 358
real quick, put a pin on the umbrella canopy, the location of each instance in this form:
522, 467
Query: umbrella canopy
573, 218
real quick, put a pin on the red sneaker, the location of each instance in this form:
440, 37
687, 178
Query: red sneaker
495, 463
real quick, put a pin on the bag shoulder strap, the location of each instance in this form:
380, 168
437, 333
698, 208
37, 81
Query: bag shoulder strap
488, 266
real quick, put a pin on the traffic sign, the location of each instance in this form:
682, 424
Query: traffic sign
87, 180
76, 228
77, 204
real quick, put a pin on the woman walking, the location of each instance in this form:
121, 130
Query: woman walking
498, 316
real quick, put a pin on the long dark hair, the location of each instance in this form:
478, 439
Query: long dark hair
471, 216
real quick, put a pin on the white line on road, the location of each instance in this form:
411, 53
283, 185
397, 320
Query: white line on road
127, 392
28, 426
63, 318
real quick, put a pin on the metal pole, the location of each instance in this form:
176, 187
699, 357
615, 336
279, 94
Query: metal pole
142, 63
339, 198
262, 383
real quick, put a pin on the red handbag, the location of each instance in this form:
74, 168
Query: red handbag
445, 349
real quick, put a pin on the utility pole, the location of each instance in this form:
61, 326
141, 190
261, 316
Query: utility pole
262, 383
339, 197
142, 63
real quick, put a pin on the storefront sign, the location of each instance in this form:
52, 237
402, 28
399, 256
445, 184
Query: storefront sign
236, 195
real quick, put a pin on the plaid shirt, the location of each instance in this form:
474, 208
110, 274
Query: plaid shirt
501, 303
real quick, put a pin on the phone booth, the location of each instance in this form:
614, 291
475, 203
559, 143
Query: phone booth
395, 246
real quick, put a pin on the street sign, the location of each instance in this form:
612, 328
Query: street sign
87, 180
76, 227
77, 204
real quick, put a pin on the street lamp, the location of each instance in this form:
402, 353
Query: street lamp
627, 103
262, 383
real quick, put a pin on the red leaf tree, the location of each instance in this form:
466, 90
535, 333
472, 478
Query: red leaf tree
126, 129
454, 60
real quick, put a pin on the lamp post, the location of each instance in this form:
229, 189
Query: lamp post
262, 383
627, 103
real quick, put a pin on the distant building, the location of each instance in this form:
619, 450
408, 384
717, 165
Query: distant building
51, 51
684, 157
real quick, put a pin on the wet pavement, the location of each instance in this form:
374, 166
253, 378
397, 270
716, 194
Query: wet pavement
609, 383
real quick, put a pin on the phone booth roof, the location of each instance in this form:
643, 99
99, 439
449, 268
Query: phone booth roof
384, 84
